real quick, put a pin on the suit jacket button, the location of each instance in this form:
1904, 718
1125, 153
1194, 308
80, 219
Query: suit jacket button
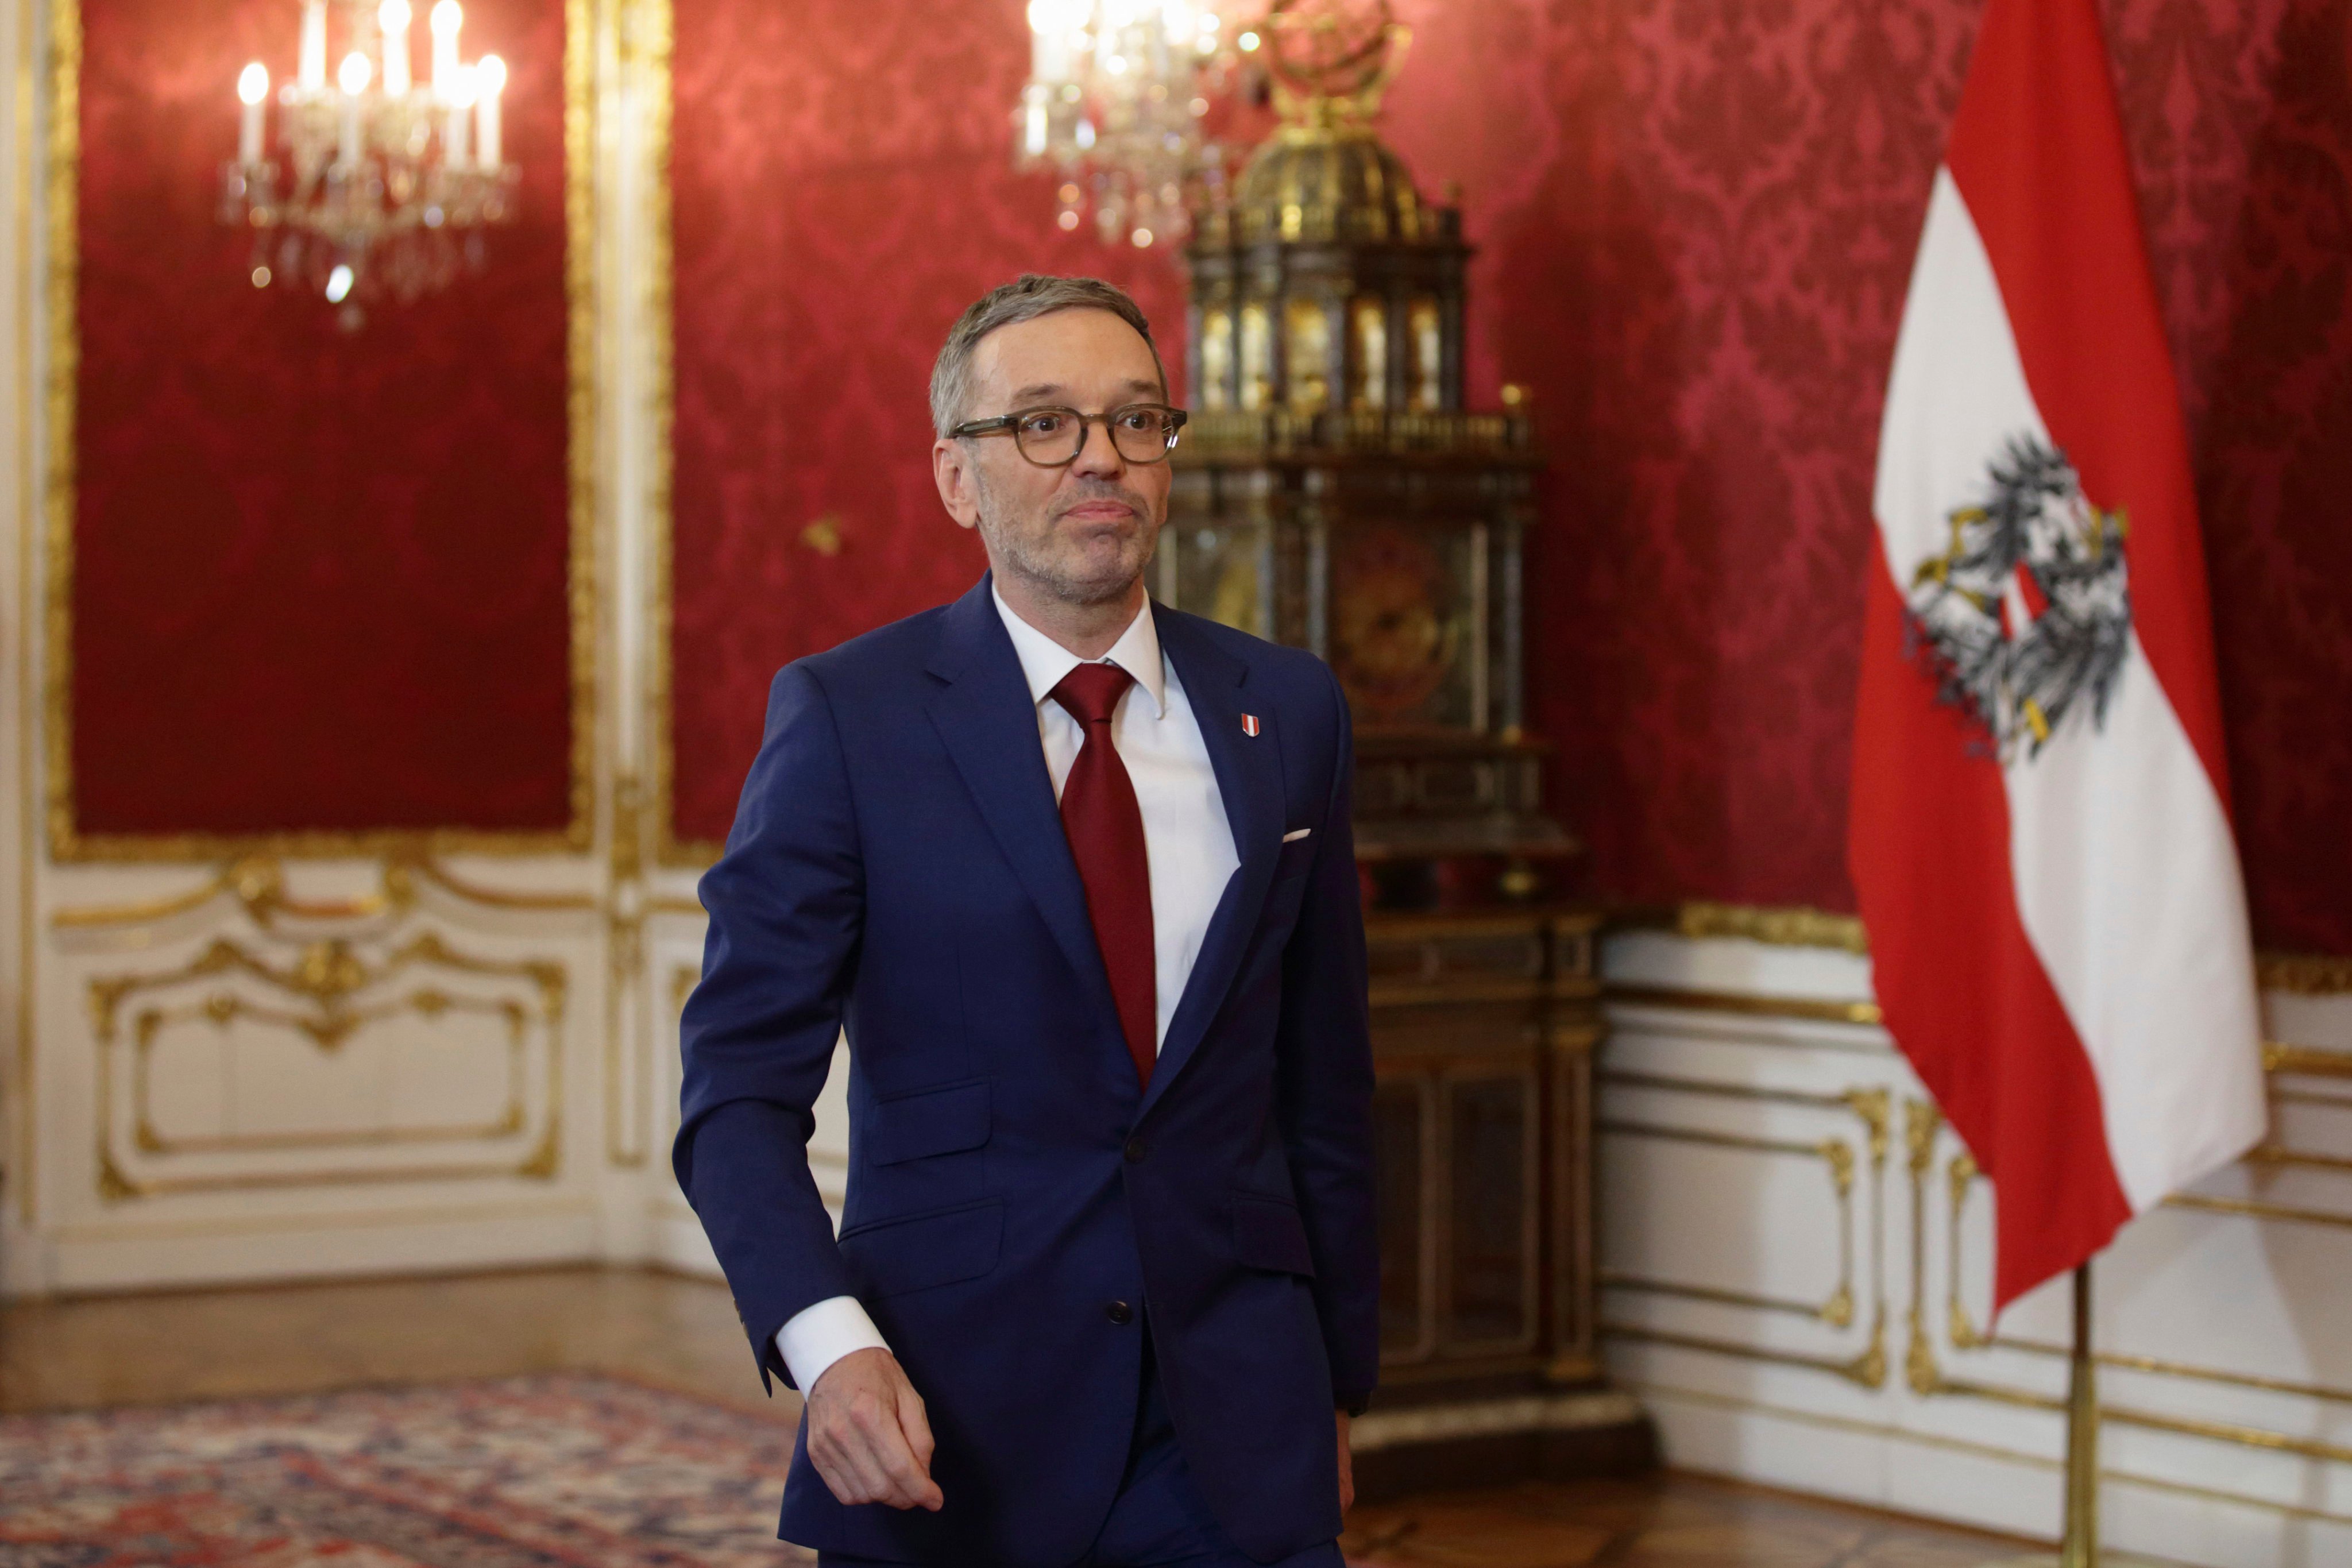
1135, 1151
1120, 1312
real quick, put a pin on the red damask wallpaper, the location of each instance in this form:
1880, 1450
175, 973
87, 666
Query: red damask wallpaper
1697, 220
843, 188
319, 578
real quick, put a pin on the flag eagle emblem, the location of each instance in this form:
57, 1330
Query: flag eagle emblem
2026, 615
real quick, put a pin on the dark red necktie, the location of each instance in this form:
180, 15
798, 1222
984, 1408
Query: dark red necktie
1105, 826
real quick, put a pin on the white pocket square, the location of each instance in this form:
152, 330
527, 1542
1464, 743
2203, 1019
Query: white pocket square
1296, 833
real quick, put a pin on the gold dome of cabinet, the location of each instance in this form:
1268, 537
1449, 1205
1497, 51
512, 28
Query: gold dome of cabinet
1326, 184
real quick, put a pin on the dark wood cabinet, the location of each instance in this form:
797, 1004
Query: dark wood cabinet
1336, 492
1484, 1026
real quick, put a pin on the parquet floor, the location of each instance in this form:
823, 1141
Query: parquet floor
681, 1333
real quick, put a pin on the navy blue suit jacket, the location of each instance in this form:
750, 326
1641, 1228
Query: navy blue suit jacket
897, 868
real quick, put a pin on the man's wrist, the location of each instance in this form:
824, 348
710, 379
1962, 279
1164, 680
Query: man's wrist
813, 1338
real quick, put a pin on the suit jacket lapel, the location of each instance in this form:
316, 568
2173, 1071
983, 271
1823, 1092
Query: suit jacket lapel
989, 723
1249, 776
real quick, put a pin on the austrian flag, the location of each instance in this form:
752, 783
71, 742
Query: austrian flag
2040, 831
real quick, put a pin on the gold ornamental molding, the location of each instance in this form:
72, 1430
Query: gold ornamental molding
1815, 1009
1926, 1378
258, 882
2305, 974
648, 32
223, 1008
2279, 1058
1873, 1106
326, 983
1797, 925
1792, 925
583, 395
1940, 1443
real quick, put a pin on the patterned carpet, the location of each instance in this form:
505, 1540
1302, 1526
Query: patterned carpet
533, 1472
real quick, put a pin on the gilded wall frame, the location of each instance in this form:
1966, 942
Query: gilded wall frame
658, 38
2297, 973
58, 285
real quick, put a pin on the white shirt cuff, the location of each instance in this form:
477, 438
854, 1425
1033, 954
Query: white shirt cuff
816, 1337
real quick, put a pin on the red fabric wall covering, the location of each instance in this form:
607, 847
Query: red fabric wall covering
318, 579
843, 188
1697, 220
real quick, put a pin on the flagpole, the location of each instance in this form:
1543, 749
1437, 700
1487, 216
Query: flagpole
2080, 1546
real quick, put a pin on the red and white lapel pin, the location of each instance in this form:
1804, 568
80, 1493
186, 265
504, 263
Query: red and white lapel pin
1249, 725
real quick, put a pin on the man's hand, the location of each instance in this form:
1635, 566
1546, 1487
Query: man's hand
867, 1435
1347, 1467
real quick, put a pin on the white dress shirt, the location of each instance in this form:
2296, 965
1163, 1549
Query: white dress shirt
1188, 844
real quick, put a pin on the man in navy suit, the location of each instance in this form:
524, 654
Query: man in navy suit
1075, 873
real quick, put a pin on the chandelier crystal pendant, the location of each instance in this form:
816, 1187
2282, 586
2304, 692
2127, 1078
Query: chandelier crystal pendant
1119, 95
386, 183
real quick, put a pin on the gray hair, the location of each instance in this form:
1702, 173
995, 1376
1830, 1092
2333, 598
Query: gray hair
1025, 298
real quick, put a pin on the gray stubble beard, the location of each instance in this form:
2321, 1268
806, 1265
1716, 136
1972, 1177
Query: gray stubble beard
1006, 545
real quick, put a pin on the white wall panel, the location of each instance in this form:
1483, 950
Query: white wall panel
1734, 1071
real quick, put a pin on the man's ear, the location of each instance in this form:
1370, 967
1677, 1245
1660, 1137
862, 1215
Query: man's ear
958, 486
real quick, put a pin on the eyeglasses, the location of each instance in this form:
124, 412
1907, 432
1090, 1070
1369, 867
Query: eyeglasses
1053, 438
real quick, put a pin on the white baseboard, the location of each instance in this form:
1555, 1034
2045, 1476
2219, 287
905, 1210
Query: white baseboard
320, 1247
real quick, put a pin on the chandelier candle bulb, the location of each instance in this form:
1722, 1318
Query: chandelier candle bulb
489, 82
388, 178
352, 77
458, 87
253, 90
447, 16
394, 17
1049, 43
1110, 96
313, 71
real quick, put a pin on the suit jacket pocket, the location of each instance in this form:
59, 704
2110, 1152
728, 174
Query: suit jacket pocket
1295, 857
929, 1121
895, 1255
1268, 1234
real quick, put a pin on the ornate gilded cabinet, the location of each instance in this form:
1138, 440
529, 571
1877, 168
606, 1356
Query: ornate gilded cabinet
1333, 492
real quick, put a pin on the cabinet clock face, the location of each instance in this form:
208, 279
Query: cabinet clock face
1395, 631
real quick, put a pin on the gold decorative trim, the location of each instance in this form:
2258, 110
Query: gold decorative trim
1837, 1312
59, 292
1868, 1370
67, 842
258, 882
1837, 1308
1788, 926
1975, 1449
1491, 1417
1928, 1379
655, 41
2305, 974
2158, 1367
26, 498
327, 975
627, 1115
1797, 925
2305, 1061
584, 399
223, 1008
557, 1204
2255, 1208
1815, 1009
1873, 1105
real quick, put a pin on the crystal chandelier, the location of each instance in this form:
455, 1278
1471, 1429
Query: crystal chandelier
386, 182
1117, 102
